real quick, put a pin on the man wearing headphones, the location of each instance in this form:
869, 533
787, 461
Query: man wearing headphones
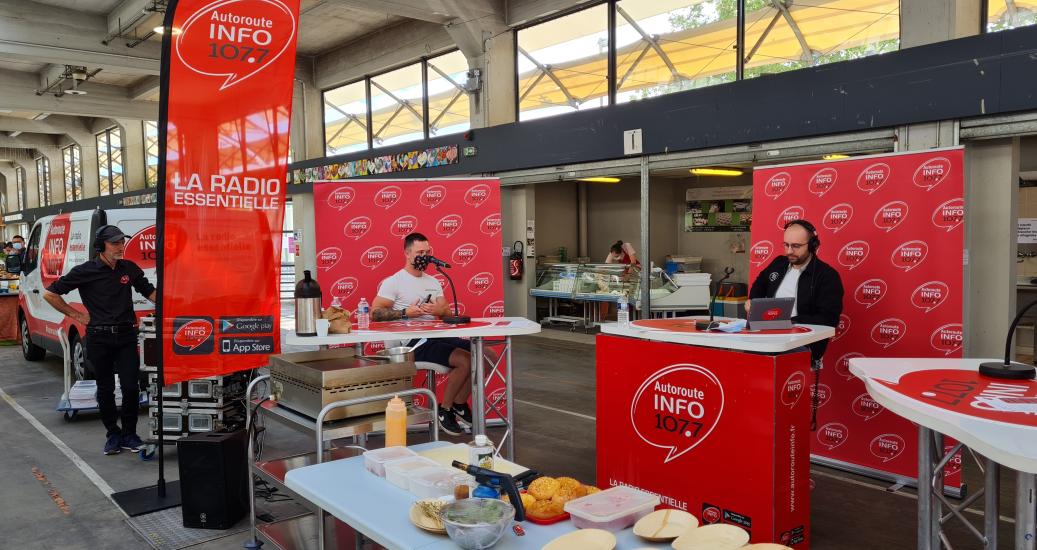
104, 284
800, 274
815, 285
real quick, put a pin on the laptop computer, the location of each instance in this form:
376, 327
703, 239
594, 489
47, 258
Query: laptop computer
771, 313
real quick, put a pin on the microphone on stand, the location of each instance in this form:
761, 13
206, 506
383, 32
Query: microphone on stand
422, 262
1010, 370
710, 324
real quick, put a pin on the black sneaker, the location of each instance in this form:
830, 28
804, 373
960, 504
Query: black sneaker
131, 442
111, 445
448, 422
464, 413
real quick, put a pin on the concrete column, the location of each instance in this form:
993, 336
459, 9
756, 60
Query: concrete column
132, 154
305, 230
89, 168
307, 125
517, 206
32, 189
488, 46
57, 175
930, 21
991, 188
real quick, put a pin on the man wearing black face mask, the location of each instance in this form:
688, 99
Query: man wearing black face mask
105, 284
410, 293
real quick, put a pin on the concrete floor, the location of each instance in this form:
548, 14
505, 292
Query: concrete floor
49, 502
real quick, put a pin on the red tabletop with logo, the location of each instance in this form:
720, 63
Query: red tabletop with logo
716, 424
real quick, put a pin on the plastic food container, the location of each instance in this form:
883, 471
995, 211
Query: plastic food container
436, 481
376, 459
614, 509
398, 471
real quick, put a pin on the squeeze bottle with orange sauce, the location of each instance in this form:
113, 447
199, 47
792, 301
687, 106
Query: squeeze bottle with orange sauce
396, 423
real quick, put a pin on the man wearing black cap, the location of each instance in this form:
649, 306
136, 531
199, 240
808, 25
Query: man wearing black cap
104, 284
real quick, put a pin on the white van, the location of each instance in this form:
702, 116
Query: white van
55, 245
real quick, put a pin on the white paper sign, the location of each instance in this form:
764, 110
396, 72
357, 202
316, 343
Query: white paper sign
1027, 231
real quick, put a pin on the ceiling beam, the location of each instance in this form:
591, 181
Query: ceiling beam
61, 125
402, 8
17, 94
144, 87
43, 34
378, 52
127, 15
524, 11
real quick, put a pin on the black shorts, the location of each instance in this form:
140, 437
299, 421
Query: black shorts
438, 350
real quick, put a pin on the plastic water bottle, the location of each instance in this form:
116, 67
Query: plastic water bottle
623, 312
363, 315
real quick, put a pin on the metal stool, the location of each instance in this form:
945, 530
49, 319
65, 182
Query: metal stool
431, 370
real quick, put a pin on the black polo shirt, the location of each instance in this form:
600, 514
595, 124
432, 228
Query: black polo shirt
105, 291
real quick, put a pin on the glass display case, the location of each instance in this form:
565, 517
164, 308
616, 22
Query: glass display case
607, 282
556, 281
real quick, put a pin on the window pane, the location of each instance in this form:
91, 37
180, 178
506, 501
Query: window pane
43, 180
448, 108
805, 35
19, 187
150, 153
396, 110
669, 46
115, 151
345, 119
563, 64
1009, 14
104, 174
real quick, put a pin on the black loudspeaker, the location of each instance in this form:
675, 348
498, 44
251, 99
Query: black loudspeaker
213, 479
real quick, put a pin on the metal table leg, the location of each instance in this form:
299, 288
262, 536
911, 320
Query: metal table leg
936, 487
478, 388
925, 497
510, 401
1025, 510
991, 504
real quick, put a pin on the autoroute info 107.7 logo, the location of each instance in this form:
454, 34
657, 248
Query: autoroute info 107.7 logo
677, 407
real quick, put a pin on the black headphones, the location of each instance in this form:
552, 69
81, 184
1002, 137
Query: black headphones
98, 241
814, 243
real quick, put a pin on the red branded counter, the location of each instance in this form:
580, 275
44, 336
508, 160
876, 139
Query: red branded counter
9, 331
717, 424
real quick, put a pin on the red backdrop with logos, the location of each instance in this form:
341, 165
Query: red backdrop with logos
226, 104
360, 230
892, 225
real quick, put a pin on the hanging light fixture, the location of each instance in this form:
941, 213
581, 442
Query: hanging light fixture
717, 171
600, 179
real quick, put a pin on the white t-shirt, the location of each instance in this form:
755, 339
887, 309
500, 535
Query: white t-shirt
406, 290
790, 285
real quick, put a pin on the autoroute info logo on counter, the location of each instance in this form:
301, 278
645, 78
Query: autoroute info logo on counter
677, 407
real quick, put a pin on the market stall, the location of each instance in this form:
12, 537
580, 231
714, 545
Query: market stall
717, 424
589, 285
9, 330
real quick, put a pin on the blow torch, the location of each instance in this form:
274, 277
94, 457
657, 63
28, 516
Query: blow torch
497, 479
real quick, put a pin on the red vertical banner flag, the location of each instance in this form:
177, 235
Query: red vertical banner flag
893, 226
228, 67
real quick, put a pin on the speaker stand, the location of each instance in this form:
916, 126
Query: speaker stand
144, 500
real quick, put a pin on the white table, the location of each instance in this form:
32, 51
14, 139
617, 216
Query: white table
1008, 438
494, 328
763, 341
379, 510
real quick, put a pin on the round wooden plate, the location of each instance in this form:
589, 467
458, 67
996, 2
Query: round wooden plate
664, 525
425, 523
712, 537
584, 539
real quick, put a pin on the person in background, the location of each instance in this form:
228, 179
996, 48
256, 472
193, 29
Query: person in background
410, 293
622, 253
18, 243
8, 248
105, 284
